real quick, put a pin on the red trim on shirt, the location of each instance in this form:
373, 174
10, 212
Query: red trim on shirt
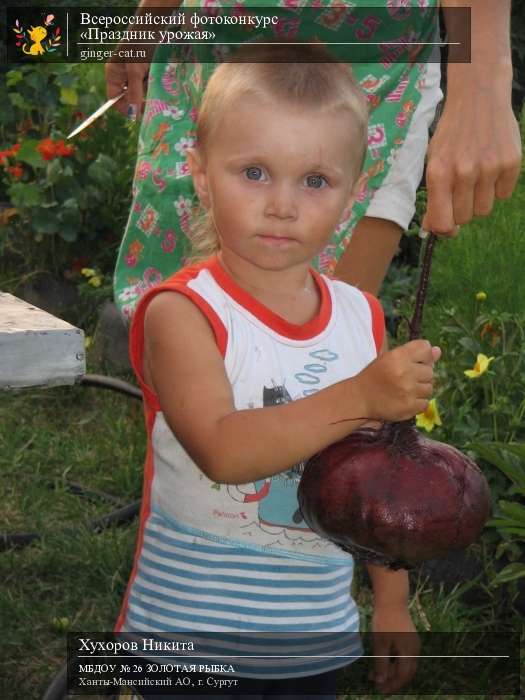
378, 319
277, 323
145, 509
176, 283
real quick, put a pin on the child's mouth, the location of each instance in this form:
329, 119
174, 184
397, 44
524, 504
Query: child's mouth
276, 240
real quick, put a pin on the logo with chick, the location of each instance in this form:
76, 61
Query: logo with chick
40, 39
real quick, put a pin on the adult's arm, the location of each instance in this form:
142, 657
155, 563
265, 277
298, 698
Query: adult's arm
475, 153
134, 74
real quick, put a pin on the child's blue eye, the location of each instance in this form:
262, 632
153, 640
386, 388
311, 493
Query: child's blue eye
315, 181
254, 173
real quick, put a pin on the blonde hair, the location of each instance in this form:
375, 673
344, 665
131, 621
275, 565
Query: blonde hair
305, 76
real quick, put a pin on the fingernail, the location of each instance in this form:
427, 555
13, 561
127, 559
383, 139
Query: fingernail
132, 113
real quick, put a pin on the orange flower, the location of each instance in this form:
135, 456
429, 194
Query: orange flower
62, 150
46, 148
50, 149
491, 332
9, 153
16, 171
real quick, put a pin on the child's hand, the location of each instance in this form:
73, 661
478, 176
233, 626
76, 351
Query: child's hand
396, 635
398, 384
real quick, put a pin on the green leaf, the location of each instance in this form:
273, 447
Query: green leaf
102, 170
24, 195
519, 531
29, 154
510, 573
514, 511
503, 456
54, 171
514, 448
470, 345
69, 96
70, 218
67, 188
66, 80
13, 77
18, 101
68, 233
36, 82
47, 225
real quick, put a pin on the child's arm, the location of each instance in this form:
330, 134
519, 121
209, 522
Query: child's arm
185, 369
393, 629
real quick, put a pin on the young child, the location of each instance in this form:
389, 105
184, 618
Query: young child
250, 362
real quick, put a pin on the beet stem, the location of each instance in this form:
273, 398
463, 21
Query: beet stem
417, 318
415, 324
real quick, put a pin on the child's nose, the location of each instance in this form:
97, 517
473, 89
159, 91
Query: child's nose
281, 202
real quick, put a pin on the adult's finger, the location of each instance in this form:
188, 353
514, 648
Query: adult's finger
116, 79
463, 193
439, 216
508, 178
484, 195
136, 73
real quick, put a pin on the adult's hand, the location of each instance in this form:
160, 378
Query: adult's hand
134, 75
474, 156
130, 75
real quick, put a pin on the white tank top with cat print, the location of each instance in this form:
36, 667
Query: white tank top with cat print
268, 361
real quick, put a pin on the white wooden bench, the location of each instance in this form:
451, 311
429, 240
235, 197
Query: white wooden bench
36, 348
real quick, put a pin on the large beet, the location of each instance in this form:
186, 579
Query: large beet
393, 497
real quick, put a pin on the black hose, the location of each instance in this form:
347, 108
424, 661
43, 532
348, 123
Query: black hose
118, 517
17, 540
58, 688
119, 385
83, 492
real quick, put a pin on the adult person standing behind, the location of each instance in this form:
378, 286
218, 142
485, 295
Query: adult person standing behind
473, 157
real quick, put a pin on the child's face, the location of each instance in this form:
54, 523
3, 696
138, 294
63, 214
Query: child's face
277, 180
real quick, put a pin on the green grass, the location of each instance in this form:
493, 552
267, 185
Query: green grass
66, 434
489, 256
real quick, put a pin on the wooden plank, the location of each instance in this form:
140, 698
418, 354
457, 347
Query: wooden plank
36, 348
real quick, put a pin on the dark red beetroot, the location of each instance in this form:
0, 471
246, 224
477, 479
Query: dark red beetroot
393, 497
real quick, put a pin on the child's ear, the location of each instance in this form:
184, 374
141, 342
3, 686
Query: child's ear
198, 174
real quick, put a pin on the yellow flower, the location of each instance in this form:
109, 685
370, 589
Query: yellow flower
95, 281
88, 341
480, 367
481, 296
87, 272
429, 418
